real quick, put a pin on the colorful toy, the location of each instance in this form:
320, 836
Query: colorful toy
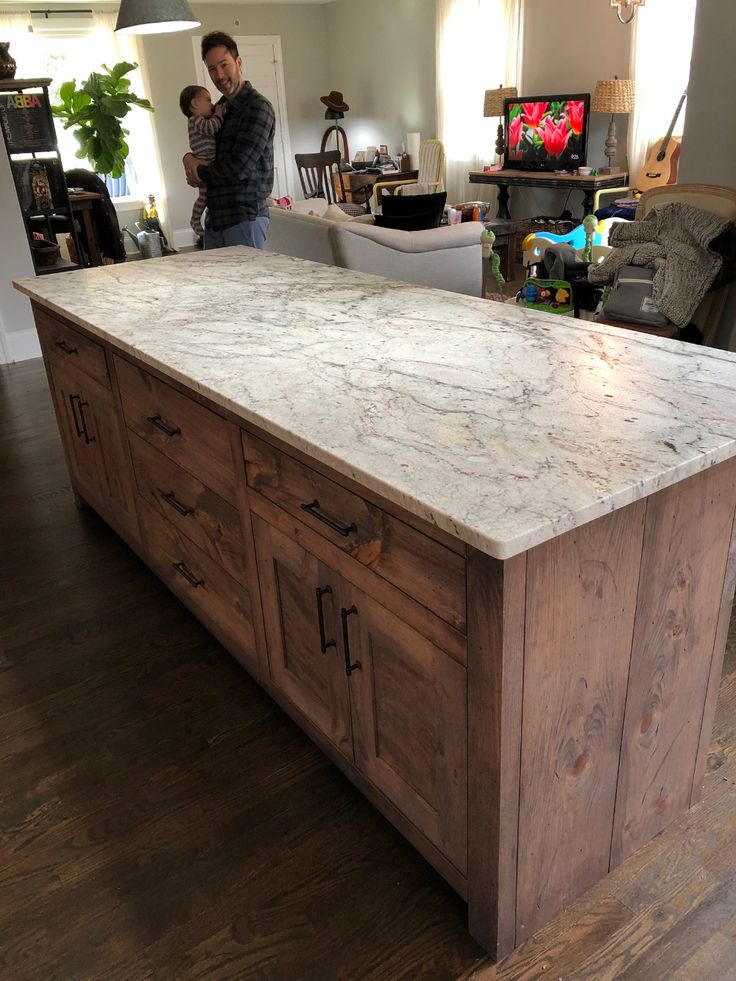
547, 295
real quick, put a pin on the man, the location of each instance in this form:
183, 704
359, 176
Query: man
240, 178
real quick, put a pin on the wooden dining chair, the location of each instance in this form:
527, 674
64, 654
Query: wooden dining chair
321, 177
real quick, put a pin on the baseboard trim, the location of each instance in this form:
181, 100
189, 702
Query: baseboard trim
21, 345
182, 237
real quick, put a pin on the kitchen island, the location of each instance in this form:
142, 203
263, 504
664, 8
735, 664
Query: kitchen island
483, 556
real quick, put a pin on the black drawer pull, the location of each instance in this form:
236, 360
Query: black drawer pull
85, 431
349, 668
66, 348
343, 530
189, 576
73, 400
159, 423
170, 498
323, 643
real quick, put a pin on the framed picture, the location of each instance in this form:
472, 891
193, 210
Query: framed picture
370, 152
360, 156
383, 149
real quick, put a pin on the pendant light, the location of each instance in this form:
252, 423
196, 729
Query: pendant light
154, 17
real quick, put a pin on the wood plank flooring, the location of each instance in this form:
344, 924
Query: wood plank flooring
161, 818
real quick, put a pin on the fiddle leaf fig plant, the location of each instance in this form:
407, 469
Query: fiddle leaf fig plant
96, 108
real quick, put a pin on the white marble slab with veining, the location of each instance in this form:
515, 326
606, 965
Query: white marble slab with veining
502, 426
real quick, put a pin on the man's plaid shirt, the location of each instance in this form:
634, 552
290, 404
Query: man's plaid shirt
241, 176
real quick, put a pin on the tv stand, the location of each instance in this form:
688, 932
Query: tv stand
525, 178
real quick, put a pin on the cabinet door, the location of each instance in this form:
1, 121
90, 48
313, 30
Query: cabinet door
98, 459
298, 595
409, 720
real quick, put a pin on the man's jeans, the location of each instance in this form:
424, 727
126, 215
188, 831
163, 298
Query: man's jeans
252, 233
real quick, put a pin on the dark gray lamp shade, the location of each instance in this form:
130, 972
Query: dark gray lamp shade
154, 16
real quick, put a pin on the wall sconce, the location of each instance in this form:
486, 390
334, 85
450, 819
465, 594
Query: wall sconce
629, 5
154, 17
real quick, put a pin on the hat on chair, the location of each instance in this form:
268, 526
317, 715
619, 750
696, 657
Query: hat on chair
335, 101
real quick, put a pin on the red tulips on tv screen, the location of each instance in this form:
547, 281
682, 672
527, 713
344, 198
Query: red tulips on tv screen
542, 131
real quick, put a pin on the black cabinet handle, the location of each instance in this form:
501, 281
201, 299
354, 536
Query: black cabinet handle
85, 432
349, 668
66, 348
170, 498
159, 423
73, 400
313, 509
323, 643
189, 576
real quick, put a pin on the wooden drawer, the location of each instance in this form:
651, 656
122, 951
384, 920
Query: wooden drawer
221, 602
66, 343
195, 510
429, 572
187, 432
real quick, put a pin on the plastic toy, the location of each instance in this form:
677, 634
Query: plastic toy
590, 225
547, 295
487, 240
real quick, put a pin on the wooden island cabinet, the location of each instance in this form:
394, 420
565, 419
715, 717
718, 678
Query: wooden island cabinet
527, 719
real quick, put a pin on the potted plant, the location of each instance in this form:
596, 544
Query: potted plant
96, 109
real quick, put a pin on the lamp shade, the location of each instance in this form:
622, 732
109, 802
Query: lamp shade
493, 103
614, 95
154, 17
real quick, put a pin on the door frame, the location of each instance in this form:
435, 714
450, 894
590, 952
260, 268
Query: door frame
242, 40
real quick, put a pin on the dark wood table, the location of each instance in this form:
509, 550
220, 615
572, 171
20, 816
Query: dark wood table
81, 204
525, 178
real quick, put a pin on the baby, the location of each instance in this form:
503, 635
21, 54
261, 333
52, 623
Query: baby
204, 122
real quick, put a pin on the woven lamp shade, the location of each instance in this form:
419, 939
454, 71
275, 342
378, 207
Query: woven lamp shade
493, 103
614, 95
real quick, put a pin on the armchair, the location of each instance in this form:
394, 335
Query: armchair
430, 174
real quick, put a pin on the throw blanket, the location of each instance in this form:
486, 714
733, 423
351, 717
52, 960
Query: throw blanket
675, 239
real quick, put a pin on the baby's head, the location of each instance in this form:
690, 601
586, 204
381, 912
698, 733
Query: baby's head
195, 100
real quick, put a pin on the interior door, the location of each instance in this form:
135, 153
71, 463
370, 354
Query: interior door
263, 67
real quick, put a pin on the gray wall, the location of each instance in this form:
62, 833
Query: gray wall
709, 138
382, 58
570, 51
17, 333
171, 66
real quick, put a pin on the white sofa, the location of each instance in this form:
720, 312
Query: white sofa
448, 257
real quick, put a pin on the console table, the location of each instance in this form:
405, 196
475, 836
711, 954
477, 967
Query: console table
525, 178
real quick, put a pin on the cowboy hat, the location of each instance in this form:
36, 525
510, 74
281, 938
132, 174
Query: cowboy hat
335, 101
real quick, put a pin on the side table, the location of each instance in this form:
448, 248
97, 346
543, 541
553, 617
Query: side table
505, 231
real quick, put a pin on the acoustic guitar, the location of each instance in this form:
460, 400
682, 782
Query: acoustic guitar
660, 166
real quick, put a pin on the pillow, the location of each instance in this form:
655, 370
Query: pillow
334, 212
412, 213
409, 223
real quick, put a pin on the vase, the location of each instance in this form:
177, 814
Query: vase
7, 61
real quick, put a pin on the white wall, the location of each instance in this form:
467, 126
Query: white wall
171, 66
568, 47
18, 339
382, 58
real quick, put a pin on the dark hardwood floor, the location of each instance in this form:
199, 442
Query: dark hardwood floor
161, 818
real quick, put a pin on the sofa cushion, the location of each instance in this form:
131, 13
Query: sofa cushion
414, 213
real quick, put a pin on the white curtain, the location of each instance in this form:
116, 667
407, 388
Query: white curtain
478, 48
660, 65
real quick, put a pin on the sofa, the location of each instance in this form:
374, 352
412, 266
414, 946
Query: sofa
448, 257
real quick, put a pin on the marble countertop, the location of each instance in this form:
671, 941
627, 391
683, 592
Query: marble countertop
501, 426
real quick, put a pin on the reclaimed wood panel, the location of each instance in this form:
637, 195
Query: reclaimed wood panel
684, 562
580, 604
496, 598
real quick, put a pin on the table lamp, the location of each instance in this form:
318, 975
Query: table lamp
613, 95
493, 105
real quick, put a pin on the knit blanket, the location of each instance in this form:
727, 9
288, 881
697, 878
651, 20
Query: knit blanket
675, 239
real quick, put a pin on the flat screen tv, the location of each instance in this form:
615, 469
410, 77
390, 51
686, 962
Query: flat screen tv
546, 132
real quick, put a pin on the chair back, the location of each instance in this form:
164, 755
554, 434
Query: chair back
316, 173
431, 162
718, 200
